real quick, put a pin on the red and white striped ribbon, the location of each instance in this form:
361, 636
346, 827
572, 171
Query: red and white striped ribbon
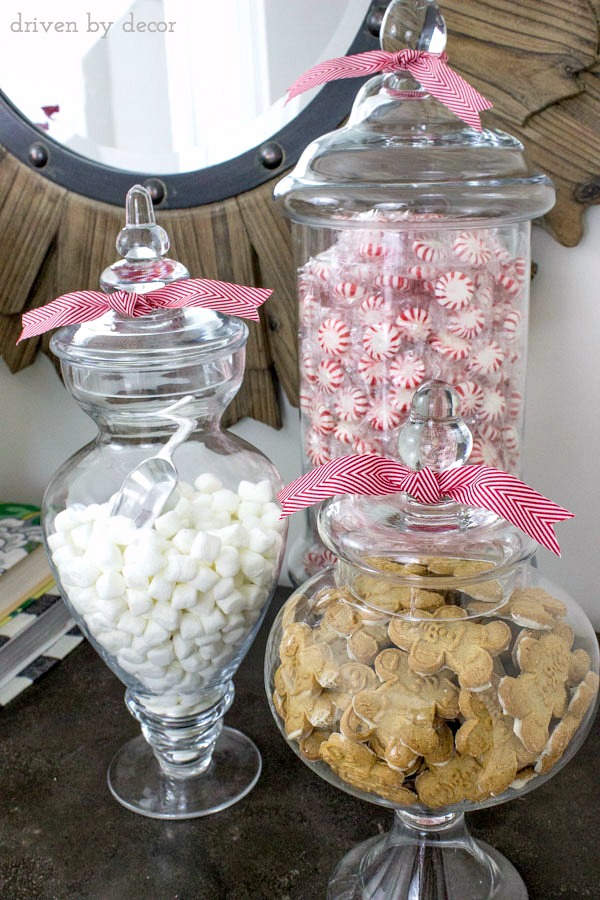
83, 306
429, 69
481, 486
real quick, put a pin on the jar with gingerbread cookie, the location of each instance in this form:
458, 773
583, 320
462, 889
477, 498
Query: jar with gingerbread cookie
432, 669
412, 235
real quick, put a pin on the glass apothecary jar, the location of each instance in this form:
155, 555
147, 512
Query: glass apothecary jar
169, 587
433, 671
412, 241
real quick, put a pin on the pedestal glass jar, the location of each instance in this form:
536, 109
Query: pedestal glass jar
432, 670
412, 241
170, 589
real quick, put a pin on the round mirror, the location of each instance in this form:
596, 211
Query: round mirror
186, 96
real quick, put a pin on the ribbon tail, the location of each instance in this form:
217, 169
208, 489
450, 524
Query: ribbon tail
68, 309
353, 474
510, 498
222, 296
355, 66
450, 88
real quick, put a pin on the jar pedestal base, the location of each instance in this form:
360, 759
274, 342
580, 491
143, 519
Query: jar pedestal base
137, 781
439, 864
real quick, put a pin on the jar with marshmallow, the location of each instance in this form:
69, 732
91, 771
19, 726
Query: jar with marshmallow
163, 532
412, 238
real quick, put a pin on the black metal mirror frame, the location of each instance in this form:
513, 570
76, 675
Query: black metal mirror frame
186, 190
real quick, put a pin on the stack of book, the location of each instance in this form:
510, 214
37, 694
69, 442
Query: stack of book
36, 629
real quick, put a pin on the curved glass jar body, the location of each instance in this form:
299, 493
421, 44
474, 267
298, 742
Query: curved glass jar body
170, 595
412, 242
434, 671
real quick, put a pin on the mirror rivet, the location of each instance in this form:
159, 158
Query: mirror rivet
157, 190
38, 155
271, 155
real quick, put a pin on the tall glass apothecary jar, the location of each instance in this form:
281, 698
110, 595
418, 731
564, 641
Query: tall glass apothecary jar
412, 240
163, 533
433, 671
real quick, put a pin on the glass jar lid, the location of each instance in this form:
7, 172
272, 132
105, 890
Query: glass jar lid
398, 540
403, 154
160, 340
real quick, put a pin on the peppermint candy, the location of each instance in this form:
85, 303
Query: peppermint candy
451, 346
373, 309
493, 406
454, 290
415, 324
330, 375
510, 438
468, 323
471, 249
309, 308
309, 368
352, 405
371, 250
489, 432
371, 371
511, 323
484, 453
430, 250
485, 297
395, 282
511, 285
383, 417
305, 401
333, 336
316, 449
382, 341
407, 371
400, 398
344, 433
421, 273
322, 420
515, 404
471, 397
362, 446
349, 290
488, 359
314, 560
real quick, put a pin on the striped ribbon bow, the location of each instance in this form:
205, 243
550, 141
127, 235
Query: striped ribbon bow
431, 70
83, 306
481, 486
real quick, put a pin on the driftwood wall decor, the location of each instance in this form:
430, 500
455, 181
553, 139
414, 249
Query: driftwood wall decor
536, 60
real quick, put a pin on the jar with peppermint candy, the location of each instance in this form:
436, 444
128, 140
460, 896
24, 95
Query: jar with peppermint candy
163, 533
412, 237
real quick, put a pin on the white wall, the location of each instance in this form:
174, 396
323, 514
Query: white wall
40, 425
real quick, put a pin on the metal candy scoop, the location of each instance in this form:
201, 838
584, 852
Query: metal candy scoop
146, 489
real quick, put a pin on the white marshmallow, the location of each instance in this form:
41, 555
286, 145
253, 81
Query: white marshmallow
184, 596
207, 483
139, 602
184, 539
63, 555
234, 636
259, 492
133, 625
114, 640
252, 564
260, 541
80, 535
56, 540
162, 654
154, 634
192, 663
213, 622
160, 589
233, 603
184, 511
168, 524
233, 621
66, 520
205, 578
222, 588
182, 648
110, 584
225, 499
254, 595
205, 547
233, 535
227, 562
190, 626
79, 573
179, 567
166, 616
134, 578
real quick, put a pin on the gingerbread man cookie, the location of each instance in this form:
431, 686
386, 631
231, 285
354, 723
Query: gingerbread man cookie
448, 638
357, 765
539, 693
564, 732
455, 780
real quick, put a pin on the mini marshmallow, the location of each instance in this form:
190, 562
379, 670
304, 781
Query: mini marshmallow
249, 508
168, 524
166, 615
192, 663
233, 536
252, 564
254, 596
207, 483
222, 588
205, 547
184, 539
205, 579
56, 540
66, 520
79, 573
261, 492
260, 541
208, 652
183, 648
139, 602
80, 535
122, 530
233, 603
110, 584
184, 596
115, 640
225, 499
161, 654
184, 510
131, 656
227, 562
154, 634
214, 621
179, 568
234, 620
134, 578
63, 555
234, 636
160, 589
134, 625
190, 626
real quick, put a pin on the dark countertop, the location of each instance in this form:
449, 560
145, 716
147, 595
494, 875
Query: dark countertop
62, 835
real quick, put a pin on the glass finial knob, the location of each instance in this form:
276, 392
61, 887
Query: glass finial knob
434, 434
414, 24
141, 238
